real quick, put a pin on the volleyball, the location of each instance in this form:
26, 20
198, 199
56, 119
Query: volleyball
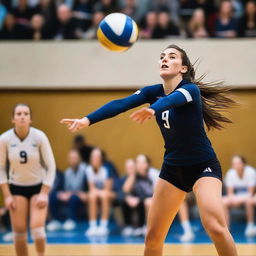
117, 32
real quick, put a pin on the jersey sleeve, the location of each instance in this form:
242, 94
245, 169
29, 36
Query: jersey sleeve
3, 161
48, 159
229, 179
116, 107
183, 95
251, 177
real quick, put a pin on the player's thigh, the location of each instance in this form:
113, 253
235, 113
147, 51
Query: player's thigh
208, 192
164, 206
37, 215
19, 215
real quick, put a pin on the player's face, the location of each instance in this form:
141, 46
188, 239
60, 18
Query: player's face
237, 163
130, 167
74, 158
96, 158
22, 117
170, 64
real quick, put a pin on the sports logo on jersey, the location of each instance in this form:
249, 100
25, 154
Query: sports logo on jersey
138, 92
208, 169
13, 145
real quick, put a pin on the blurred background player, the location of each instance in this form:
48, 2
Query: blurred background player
26, 148
240, 183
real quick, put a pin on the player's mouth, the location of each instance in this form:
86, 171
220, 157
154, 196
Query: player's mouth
164, 66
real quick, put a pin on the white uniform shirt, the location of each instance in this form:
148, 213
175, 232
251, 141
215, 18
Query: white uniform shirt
99, 178
241, 185
31, 160
153, 175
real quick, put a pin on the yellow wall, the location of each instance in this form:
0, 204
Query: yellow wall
120, 137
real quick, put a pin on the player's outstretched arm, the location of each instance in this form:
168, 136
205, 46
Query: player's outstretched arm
75, 124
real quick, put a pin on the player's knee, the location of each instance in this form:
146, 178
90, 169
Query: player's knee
214, 228
20, 236
38, 233
153, 238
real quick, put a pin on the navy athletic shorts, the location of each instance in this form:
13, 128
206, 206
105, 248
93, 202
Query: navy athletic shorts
184, 177
26, 191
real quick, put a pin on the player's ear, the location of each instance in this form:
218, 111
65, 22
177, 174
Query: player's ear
184, 69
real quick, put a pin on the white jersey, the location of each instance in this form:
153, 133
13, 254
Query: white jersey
99, 178
241, 185
153, 175
30, 161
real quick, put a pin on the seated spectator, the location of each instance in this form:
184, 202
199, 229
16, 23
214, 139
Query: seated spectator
74, 196
100, 191
82, 14
79, 143
47, 9
240, 183
226, 25
66, 25
91, 33
183, 213
23, 13
106, 6
150, 24
38, 29
165, 27
248, 22
196, 27
138, 188
9, 30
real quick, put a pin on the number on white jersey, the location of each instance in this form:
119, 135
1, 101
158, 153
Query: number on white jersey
165, 117
24, 157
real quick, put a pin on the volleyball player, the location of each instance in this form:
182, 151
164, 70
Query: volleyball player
181, 106
31, 174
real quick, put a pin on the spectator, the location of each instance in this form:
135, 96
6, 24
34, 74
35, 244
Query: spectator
38, 31
74, 195
66, 25
197, 28
226, 24
100, 190
134, 8
82, 14
240, 183
47, 9
150, 25
9, 30
106, 6
91, 33
138, 189
79, 143
172, 6
23, 13
248, 21
165, 27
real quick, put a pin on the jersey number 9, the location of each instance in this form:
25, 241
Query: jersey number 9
165, 117
24, 157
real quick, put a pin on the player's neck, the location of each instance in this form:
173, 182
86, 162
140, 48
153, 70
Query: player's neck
21, 132
171, 84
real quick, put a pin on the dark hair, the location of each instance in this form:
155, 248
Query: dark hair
216, 97
146, 158
242, 158
23, 105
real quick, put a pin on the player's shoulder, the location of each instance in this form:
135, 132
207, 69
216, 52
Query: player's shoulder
7, 134
37, 132
250, 170
189, 86
231, 173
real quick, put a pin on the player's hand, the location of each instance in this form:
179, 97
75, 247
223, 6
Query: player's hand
42, 200
142, 115
9, 202
76, 124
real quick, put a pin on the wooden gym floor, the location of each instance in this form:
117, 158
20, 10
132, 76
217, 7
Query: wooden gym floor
128, 250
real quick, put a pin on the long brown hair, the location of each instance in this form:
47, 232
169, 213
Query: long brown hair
216, 97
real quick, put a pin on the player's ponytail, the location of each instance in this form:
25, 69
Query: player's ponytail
216, 97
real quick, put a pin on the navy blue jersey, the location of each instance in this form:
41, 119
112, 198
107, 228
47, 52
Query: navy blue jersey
179, 116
